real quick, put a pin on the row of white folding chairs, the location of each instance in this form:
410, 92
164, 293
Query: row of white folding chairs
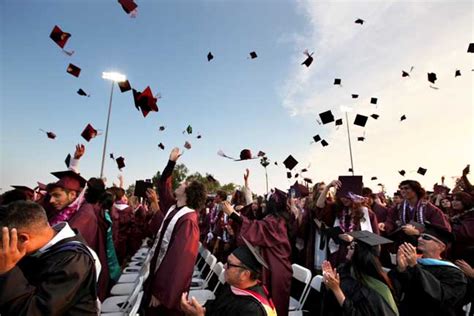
202, 295
127, 294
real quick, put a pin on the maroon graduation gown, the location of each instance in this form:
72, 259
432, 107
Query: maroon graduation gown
91, 224
270, 234
463, 230
122, 223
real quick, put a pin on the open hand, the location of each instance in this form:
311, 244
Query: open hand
10, 252
227, 207
175, 154
80, 150
191, 307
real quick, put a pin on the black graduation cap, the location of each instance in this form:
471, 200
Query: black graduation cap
355, 96
361, 138
403, 117
351, 184
324, 143
199, 137
359, 21
470, 49
210, 56
421, 171
337, 81
457, 73
309, 60
82, 93
350, 169
89, 132
369, 238
161, 128
111, 155
59, 37
187, 145
375, 116
50, 135
288, 174
432, 77
466, 170
120, 162
439, 232
189, 129
402, 173
253, 55
360, 120
260, 153
73, 70
338, 122
256, 255
124, 86
373, 100
67, 161
290, 162
308, 180
23, 188
405, 74
373, 178
326, 117
128, 5
161, 146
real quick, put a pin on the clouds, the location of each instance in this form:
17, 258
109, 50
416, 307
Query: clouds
369, 59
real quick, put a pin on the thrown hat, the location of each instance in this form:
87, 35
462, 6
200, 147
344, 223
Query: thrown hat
253, 55
124, 86
161, 146
432, 77
316, 138
73, 70
337, 81
403, 117
309, 59
470, 48
421, 171
326, 117
338, 122
402, 172
59, 37
359, 21
324, 143
128, 5
373, 100
375, 116
355, 96
210, 56
67, 161
350, 184
457, 73
82, 93
89, 132
120, 162
360, 120
290, 162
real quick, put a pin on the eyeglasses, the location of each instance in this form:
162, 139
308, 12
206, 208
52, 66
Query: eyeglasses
429, 237
235, 266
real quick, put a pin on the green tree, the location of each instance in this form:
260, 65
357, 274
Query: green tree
179, 174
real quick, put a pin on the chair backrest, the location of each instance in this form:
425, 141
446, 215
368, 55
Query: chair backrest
133, 296
316, 282
201, 263
313, 299
211, 262
221, 281
136, 305
303, 275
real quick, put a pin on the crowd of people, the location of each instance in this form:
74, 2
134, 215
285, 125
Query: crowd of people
65, 244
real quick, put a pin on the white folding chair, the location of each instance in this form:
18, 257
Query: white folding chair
130, 276
127, 288
200, 283
202, 296
136, 306
123, 303
199, 268
214, 273
200, 258
316, 285
467, 308
303, 275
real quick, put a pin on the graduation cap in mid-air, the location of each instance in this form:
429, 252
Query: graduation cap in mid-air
361, 138
50, 135
309, 58
253, 55
161, 128
359, 21
354, 96
326, 117
316, 138
338, 122
124, 86
59, 37
161, 146
129, 6
111, 155
337, 81
67, 161
73, 70
405, 74
457, 73
360, 120
290, 162
89, 132
375, 116
421, 171
120, 162
470, 48
402, 172
82, 93
373, 100
432, 77
187, 145
324, 143
373, 178
210, 56
403, 117
188, 129
145, 101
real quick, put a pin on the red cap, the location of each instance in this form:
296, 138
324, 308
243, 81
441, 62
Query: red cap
89, 132
73, 70
59, 37
68, 180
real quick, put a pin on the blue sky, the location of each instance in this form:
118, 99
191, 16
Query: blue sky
268, 104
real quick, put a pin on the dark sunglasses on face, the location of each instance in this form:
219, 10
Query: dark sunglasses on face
428, 237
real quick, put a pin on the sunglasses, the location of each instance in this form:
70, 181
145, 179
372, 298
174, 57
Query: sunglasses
429, 237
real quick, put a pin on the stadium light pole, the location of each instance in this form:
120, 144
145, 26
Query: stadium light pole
346, 109
114, 77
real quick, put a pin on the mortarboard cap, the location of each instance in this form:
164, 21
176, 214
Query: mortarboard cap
309, 59
59, 37
316, 138
68, 180
361, 138
161, 146
73, 70
373, 100
260, 153
145, 101
369, 238
374, 116
290, 162
359, 21
432, 77
210, 56
199, 137
350, 169
402, 172
308, 180
89, 132
128, 5
67, 161
141, 187
405, 74
300, 190
29, 191
457, 73
250, 256
324, 143
253, 55
338, 122
360, 120
161, 128
421, 171
124, 86
373, 178
470, 48
189, 129
352, 184
326, 117
82, 93
288, 174
403, 117
355, 96
111, 156
466, 170
51, 135
245, 154
120, 162
337, 81
439, 232
187, 145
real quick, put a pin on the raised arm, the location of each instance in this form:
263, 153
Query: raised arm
321, 202
165, 184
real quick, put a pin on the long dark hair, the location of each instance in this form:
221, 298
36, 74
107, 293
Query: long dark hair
365, 261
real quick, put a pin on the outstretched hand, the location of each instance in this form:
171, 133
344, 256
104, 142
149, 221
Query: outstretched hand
80, 150
246, 175
175, 154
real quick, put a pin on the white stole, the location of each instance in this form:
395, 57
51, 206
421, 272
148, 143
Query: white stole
167, 234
